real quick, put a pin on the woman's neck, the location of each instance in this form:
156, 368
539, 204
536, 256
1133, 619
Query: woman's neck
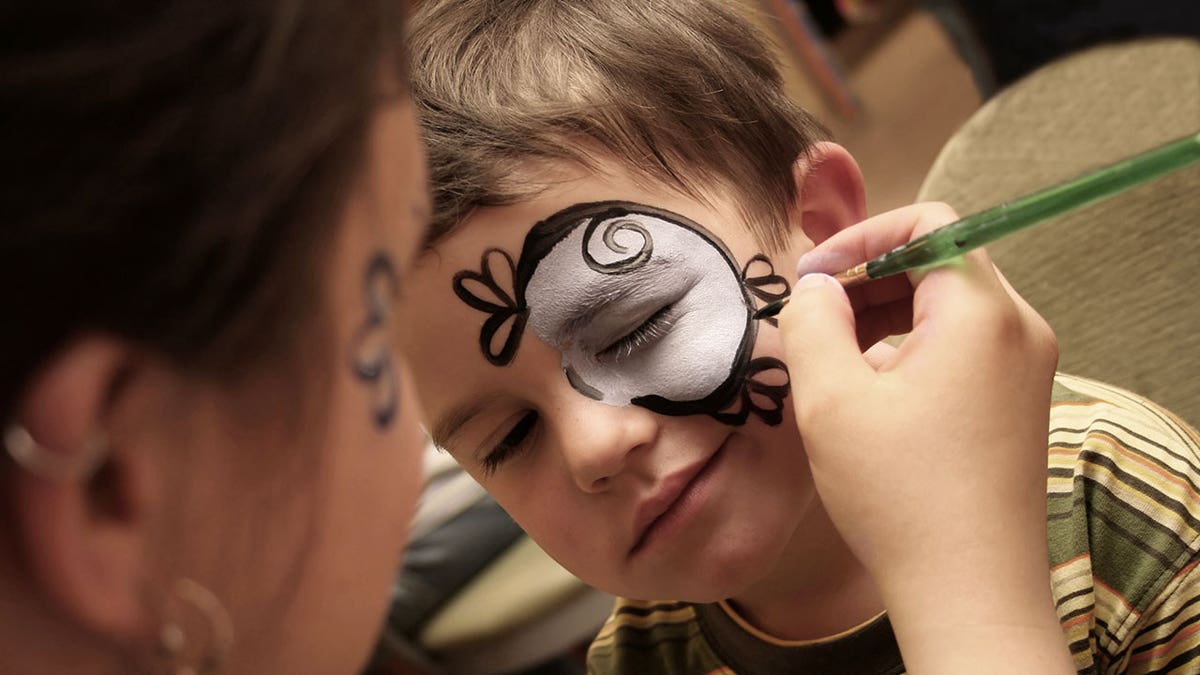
818, 589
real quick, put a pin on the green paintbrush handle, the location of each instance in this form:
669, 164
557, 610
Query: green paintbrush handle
953, 240
950, 241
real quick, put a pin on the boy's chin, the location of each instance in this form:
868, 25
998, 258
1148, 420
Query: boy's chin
714, 576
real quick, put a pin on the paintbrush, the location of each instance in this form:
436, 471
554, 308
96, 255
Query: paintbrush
951, 241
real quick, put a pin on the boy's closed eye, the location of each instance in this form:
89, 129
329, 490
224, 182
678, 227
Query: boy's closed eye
645, 333
514, 439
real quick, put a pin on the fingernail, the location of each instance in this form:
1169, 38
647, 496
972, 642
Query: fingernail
827, 262
814, 280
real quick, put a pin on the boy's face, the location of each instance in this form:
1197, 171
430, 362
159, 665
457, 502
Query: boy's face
591, 358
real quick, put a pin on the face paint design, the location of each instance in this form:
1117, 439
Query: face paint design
646, 307
370, 348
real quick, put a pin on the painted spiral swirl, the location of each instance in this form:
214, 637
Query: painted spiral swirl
611, 227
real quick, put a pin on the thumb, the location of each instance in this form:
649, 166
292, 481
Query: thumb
819, 340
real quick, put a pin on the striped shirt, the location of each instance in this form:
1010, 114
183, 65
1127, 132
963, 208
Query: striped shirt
1123, 517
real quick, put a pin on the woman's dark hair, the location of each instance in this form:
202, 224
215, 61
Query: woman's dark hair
170, 171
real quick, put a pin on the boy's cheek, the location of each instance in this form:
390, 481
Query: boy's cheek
550, 516
768, 343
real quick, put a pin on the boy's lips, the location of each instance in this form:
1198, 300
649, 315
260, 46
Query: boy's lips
651, 510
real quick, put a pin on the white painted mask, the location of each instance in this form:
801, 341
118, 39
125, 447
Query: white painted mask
646, 307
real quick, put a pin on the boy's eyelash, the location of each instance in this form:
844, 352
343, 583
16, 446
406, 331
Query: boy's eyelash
650, 330
510, 445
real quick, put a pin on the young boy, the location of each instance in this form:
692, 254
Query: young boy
619, 185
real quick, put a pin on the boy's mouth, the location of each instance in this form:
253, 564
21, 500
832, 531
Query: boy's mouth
656, 513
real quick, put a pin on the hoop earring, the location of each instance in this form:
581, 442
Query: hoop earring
197, 634
57, 467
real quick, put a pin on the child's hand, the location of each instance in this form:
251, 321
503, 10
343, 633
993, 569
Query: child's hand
931, 458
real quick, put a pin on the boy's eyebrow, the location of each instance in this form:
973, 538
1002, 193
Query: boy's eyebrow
448, 426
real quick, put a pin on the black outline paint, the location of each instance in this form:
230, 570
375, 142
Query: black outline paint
370, 350
578, 384
507, 306
629, 264
759, 286
774, 392
510, 305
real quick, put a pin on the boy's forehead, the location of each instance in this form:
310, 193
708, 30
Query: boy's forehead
574, 263
526, 232
507, 226
492, 242
553, 186
487, 264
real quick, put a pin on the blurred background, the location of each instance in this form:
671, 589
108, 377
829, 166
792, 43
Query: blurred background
883, 76
894, 80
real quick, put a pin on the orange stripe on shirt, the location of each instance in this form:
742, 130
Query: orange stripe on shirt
1082, 556
1120, 448
1082, 618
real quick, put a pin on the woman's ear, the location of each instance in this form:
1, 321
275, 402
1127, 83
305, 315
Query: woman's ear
82, 494
831, 195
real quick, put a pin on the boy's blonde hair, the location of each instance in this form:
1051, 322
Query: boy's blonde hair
683, 92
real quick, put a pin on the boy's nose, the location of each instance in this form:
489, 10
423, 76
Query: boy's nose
599, 441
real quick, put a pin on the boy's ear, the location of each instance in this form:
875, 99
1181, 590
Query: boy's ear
830, 190
82, 493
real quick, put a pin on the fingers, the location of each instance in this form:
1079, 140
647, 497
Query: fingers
960, 313
892, 305
874, 237
875, 323
871, 238
880, 355
819, 337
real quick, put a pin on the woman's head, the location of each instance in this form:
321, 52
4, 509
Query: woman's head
207, 214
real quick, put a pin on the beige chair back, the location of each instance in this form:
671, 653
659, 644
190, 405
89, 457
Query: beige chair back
1119, 281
